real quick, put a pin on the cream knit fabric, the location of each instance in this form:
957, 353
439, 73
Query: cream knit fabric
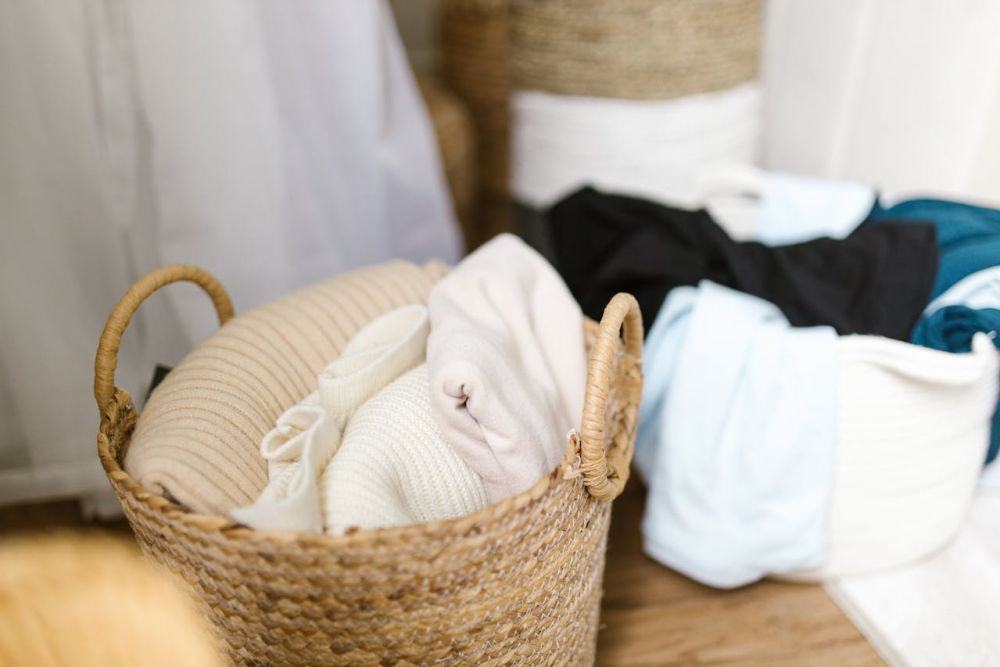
656, 149
394, 468
309, 434
197, 439
912, 432
507, 364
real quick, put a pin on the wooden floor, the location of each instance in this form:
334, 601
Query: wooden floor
653, 616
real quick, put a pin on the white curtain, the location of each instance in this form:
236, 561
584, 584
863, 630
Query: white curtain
902, 94
272, 143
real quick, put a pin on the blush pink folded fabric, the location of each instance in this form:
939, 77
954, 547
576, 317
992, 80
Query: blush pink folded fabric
507, 364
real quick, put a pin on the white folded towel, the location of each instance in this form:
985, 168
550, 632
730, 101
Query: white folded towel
507, 364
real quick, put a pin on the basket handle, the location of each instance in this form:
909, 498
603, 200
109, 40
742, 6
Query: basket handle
605, 472
107, 350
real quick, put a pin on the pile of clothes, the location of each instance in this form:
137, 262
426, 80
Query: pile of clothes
804, 412
431, 411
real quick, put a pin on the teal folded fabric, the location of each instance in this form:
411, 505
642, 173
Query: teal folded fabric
951, 329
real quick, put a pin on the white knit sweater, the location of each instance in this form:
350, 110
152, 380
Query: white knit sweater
308, 434
394, 468
364, 449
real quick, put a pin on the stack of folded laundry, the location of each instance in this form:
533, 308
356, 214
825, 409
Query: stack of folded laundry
429, 412
816, 404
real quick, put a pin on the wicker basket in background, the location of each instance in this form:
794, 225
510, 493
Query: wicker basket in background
518, 582
474, 39
633, 49
456, 141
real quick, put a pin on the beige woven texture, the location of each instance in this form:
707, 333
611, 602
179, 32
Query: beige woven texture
634, 49
199, 436
517, 583
474, 42
456, 142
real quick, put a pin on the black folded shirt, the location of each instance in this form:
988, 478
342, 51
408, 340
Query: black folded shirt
876, 281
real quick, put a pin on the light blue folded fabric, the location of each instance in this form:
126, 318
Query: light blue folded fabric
794, 209
736, 437
951, 328
977, 290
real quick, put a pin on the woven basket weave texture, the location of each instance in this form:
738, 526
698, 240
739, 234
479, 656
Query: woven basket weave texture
475, 64
634, 49
455, 135
518, 582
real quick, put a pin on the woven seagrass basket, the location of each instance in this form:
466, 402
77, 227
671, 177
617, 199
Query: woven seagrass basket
633, 49
518, 582
474, 44
456, 143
